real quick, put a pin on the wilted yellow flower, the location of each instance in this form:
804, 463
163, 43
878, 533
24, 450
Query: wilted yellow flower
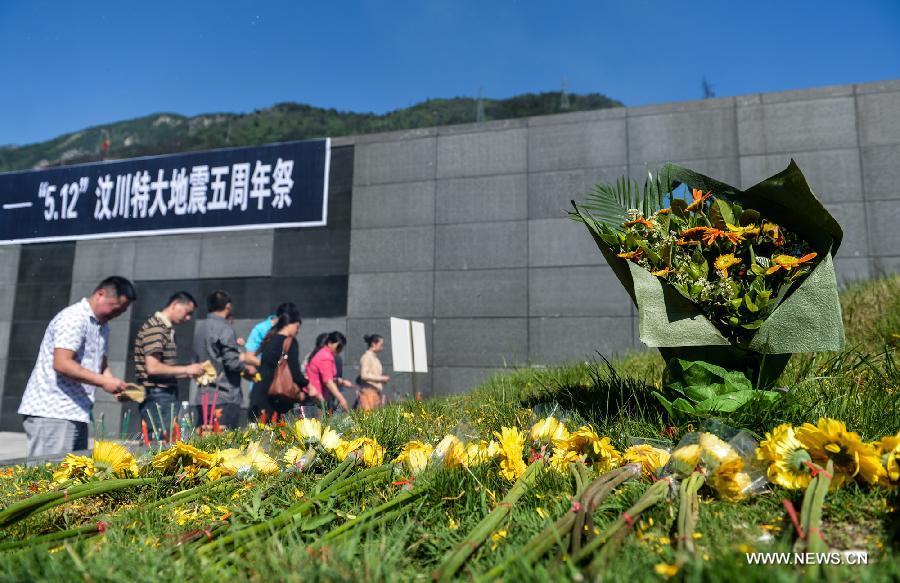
415, 456
889, 448
561, 459
512, 445
114, 457
74, 467
451, 452
308, 430
651, 458
786, 458
547, 430
182, 455
829, 439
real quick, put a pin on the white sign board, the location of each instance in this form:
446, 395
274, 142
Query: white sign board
408, 350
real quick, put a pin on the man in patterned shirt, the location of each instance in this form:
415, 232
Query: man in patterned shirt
155, 365
71, 363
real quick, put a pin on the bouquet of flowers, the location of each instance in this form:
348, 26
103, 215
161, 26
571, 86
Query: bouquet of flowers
728, 283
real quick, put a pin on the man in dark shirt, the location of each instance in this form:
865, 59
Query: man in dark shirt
215, 340
155, 363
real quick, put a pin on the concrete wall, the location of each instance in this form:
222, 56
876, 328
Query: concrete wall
465, 228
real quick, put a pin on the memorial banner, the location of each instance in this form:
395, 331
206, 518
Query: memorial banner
271, 186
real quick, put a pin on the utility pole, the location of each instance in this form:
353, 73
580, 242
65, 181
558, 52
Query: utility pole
564, 95
707, 89
479, 105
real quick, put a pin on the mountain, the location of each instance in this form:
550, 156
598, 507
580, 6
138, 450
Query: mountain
166, 133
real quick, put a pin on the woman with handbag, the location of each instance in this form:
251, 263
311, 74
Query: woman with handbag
282, 383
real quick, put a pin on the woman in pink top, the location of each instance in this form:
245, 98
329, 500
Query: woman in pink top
322, 372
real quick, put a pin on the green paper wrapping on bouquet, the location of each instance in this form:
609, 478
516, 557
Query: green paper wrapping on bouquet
807, 317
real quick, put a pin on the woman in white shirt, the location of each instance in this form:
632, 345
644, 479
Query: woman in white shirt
371, 375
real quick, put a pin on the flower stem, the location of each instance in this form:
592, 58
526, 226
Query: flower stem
454, 559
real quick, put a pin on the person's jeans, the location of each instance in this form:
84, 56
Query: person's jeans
157, 410
48, 436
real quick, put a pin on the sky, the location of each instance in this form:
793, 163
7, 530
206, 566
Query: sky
70, 65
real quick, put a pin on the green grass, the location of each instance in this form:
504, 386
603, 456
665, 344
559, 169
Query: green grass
860, 386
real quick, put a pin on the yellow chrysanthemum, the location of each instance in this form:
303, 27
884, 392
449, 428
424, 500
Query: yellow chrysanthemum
547, 430
481, 452
366, 448
74, 467
182, 455
786, 459
729, 480
253, 457
512, 445
451, 452
293, 455
330, 439
561, 459
829, 439
415, 456
308, 430
598, 450
650, 458
114, 457
715, 451
723, 262
889, 448
685, 458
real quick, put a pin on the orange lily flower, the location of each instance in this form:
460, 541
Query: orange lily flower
723, 262
699, 199
664, 211
634, 255
640, 221
707, 235
743, 231
787, 263
662, 272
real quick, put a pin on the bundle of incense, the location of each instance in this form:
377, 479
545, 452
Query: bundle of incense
145, 433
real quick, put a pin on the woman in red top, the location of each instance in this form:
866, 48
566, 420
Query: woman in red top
322, 372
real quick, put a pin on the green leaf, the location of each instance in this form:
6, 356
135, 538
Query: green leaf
750, 305
720, 214
749, 217
679, 208
701, 392
680, 404
728, 403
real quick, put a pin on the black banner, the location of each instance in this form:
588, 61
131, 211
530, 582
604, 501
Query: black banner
277, 185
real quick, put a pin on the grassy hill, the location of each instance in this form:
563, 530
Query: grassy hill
165, 133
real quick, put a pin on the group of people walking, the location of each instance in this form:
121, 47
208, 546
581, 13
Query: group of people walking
72, 362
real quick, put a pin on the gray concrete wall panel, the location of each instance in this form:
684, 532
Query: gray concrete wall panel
481, 292
481, 245
396, 161
768, 128
556, 341
550, 194
394, 205
558, 242
477, 154
881, 172
480, 342
704, 133
404, 295
884, 217
576, 291
879, 118
453, 380
392, 249
582, 145
167, 257
488, 198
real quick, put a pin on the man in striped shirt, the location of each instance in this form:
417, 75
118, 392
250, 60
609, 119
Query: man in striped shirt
155, 367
